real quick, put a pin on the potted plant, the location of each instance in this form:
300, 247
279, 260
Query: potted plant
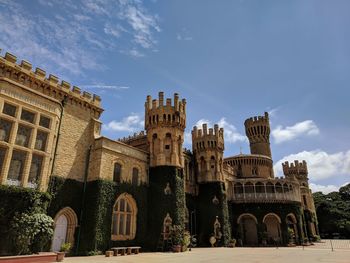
186, 241
291, 237
177, 237
264, 237
232, 242
65, 247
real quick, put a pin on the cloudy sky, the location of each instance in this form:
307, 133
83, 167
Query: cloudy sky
229, 59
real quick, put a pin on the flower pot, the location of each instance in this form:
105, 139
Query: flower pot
60, 256
176, 248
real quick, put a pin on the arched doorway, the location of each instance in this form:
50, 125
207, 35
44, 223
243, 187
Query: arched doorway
292, 224
273, 228
248, 229
64, 228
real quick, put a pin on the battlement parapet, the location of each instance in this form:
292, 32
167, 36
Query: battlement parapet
135, 136
207, 138
168, 114
257, 120
23, 74
296, 168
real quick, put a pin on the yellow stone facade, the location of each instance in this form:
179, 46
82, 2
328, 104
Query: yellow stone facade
50, 129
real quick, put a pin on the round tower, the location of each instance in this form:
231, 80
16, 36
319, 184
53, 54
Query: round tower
165, 125
208, 149
257, 130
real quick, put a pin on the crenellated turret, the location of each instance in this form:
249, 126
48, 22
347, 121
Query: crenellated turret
208, 148
258, 132
165, 125
297, 169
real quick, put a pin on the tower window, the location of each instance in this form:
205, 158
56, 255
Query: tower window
167, 147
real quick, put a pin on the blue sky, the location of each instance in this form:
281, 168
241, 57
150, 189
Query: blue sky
229, 59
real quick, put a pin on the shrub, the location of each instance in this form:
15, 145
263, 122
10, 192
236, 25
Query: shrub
177, 235
31, 232
65, 247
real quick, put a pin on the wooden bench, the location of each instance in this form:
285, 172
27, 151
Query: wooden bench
116, 250
136, 250
109, 253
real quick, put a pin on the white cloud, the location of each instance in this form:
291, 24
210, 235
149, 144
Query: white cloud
231, 135
326, 189
74, 41
132, 123
115, 31
321, 165
135, 53
281, 134
184, 35
142, 23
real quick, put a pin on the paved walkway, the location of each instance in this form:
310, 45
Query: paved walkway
244, 255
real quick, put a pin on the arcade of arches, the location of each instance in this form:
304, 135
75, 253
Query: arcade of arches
251, 232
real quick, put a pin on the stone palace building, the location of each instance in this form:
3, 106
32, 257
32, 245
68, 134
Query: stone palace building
106, 192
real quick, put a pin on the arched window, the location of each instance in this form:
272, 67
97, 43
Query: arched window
238, 188
135, 176
278, 187
124, 218
259, 187
270, 188
117, 173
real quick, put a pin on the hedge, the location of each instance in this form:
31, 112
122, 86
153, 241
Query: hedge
17, 200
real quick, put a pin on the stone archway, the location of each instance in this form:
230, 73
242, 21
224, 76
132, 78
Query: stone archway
292, 222
248, 228
65, 223
273, 228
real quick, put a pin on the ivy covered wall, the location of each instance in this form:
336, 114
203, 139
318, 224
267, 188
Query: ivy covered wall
161, 203
209, 210
95, 222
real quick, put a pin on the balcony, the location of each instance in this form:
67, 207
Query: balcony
263, 191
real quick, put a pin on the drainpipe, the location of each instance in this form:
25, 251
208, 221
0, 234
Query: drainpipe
87, 164
62, 104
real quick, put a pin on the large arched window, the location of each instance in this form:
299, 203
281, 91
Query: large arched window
117, 173
135, 176
124, 218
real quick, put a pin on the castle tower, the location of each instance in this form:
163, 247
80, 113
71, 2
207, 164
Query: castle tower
208, 149
298, 171
257, 130
165, 125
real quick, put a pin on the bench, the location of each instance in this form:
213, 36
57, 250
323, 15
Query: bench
124, 250
116, 250
136, 250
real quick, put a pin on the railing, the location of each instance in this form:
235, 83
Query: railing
264, 190
257, 197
